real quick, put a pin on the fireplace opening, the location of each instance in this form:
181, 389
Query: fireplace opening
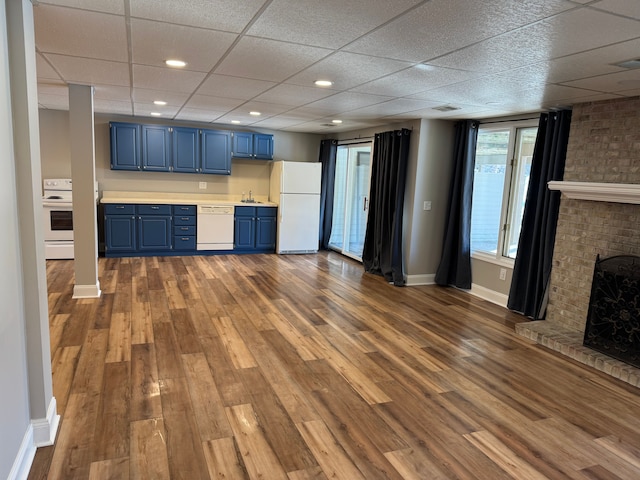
613, 321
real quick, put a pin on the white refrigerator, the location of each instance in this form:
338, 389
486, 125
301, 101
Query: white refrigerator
295, 187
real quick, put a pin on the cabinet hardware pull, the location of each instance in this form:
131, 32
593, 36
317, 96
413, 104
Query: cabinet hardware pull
155, 208
121, 207
184, 239
184, 218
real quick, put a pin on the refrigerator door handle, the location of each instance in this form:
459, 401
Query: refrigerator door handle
364, 206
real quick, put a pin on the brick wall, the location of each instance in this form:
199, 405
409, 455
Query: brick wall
604, 146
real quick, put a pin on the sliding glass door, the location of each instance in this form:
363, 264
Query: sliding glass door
351, 199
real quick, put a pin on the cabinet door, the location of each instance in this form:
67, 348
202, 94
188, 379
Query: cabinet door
266, 233
186, 150
154, 232
244, 234
262, 146
216, 152
120, 233
156, 148
125, 146
242, 145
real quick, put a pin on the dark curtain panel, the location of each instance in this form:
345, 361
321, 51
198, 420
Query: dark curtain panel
532, 268
328, 150
382, 252
455, 263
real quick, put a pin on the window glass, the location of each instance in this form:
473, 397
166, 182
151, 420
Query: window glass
500, 182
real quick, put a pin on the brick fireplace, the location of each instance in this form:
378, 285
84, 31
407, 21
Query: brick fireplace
604, 147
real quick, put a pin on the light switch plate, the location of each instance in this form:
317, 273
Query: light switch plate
202, 185
427, 205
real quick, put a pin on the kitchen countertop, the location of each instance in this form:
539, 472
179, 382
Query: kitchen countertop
180, 199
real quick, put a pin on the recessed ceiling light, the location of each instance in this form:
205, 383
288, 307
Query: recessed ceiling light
323, 83
635, 63
235, 121
336, 121
159, 102
255, 114
175, 63
156, 114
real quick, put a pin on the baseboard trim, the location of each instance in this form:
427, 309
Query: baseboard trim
489, 295
45, 429
24, 458
87, 291
422, 279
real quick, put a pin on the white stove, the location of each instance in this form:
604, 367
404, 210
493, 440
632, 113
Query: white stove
57, 209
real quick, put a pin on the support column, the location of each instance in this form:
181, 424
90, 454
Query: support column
26, 137
83, 176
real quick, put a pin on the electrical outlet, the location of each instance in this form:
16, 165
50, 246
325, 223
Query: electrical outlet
503, 274
202, 185
426, 205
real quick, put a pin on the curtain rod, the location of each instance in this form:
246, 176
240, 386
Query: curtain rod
356, 140
508, 121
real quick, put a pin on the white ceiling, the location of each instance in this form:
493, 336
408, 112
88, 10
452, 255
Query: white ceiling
389, 60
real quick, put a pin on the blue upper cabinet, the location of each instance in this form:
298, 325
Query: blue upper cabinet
263, 146
125, 146
252, 145
156, 148
216, 152
186, 150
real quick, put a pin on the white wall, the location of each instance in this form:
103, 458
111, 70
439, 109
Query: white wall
14, 400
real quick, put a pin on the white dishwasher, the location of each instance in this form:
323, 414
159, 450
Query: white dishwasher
215, 227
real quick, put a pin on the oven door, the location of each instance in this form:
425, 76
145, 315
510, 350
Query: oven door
58, 221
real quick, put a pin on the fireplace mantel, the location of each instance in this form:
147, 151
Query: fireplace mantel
599, 192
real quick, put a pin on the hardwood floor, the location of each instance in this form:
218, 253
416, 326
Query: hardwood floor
302, 367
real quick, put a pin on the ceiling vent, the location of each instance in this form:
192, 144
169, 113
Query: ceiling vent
635, 63
446, 108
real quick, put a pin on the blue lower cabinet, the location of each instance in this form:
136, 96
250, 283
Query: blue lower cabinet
120, 233
255, 229
154, 233
144, 230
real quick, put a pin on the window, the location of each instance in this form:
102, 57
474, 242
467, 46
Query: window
500, 182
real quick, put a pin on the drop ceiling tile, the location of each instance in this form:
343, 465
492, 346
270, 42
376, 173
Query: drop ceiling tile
89, 71
330, 23
240, 116
106, 6
44, 69
442, 26
197, 115
143, 95
346, 101
621, 7
347, 70
153, 42
611, 83
226, 15
268, 59
158, 78
392, 107
565, 34
145, 109
266, 109
80, 33
233, 87
53, 102
568, 102
112, 107
218, 104
293, 95
112, 92
413, 80
279, 122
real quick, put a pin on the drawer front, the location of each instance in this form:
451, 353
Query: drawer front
154, 209
184, 230
184, 219
184, 209
267, 211
245, 211
119, 209
181, 242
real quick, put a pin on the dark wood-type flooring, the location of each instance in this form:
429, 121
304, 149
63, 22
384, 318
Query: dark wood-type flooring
303, 367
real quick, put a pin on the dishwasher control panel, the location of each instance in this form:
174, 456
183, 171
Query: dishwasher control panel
215, 209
